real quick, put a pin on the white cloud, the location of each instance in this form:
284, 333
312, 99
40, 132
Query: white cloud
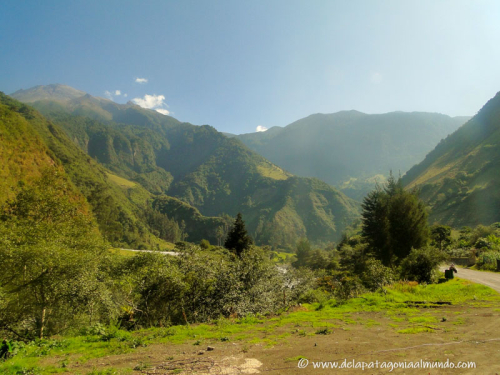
150, 101
141, 80
155, 102
163, 111
125, 95
376, 78
111, 94
261, 128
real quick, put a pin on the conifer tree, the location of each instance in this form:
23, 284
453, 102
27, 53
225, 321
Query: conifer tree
394, 222
238, 239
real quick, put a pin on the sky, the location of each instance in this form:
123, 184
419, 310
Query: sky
243, 66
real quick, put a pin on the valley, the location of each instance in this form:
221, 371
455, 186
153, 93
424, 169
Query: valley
164, 189
249, 187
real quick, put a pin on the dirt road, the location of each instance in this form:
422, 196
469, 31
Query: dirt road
173, 253
490, 279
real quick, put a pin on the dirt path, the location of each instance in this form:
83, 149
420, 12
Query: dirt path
490, 279
173, 253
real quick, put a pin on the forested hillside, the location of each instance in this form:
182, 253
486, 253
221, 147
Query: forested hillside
459, 179
350, 149
203, 169
23, 154
122, 209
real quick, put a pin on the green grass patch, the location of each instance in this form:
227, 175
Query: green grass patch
414, 330
282, 257
120, 181
423, 319
272, 171
295, 359
371, 323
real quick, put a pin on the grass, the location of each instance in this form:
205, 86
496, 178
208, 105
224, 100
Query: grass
282, 257
312, 319
120, 181
272, 171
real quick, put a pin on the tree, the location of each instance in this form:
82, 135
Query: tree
441, 235
219, 234
52, 257
313, 259
238, 238
394, 221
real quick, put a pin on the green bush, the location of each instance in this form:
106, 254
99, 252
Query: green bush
376, 275
313, 296
488, 260
348, 287
205, 244
421, 265
482, 243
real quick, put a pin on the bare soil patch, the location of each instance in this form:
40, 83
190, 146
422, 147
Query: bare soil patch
467, 333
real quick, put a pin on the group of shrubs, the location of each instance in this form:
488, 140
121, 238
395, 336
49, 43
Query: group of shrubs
351, 268
481, 245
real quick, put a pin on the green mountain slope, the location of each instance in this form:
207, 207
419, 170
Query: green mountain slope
460, 178
24, 157
29, 142
349, 147
204, 169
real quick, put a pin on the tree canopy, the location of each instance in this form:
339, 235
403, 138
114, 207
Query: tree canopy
394, 221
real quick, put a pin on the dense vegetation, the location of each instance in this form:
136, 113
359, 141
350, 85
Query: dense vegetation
479, 245
48, 233
459, 179
32, 143
59, 275
351, 149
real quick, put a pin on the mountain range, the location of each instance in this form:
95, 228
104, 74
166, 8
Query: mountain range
350, 149
150, 179
191, 174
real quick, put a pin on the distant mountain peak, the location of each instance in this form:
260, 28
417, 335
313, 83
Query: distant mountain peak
57, 92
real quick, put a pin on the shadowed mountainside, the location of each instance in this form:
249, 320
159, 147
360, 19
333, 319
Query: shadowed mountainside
459, 179
350, 149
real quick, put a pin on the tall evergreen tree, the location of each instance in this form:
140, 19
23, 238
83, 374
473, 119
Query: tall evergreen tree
394, 222
238, 238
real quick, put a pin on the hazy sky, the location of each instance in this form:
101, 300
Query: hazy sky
237, 65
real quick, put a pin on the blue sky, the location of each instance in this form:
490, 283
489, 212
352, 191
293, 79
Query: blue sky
237, 64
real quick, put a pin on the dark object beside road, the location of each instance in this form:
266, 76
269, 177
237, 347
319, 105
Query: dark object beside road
448, 274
